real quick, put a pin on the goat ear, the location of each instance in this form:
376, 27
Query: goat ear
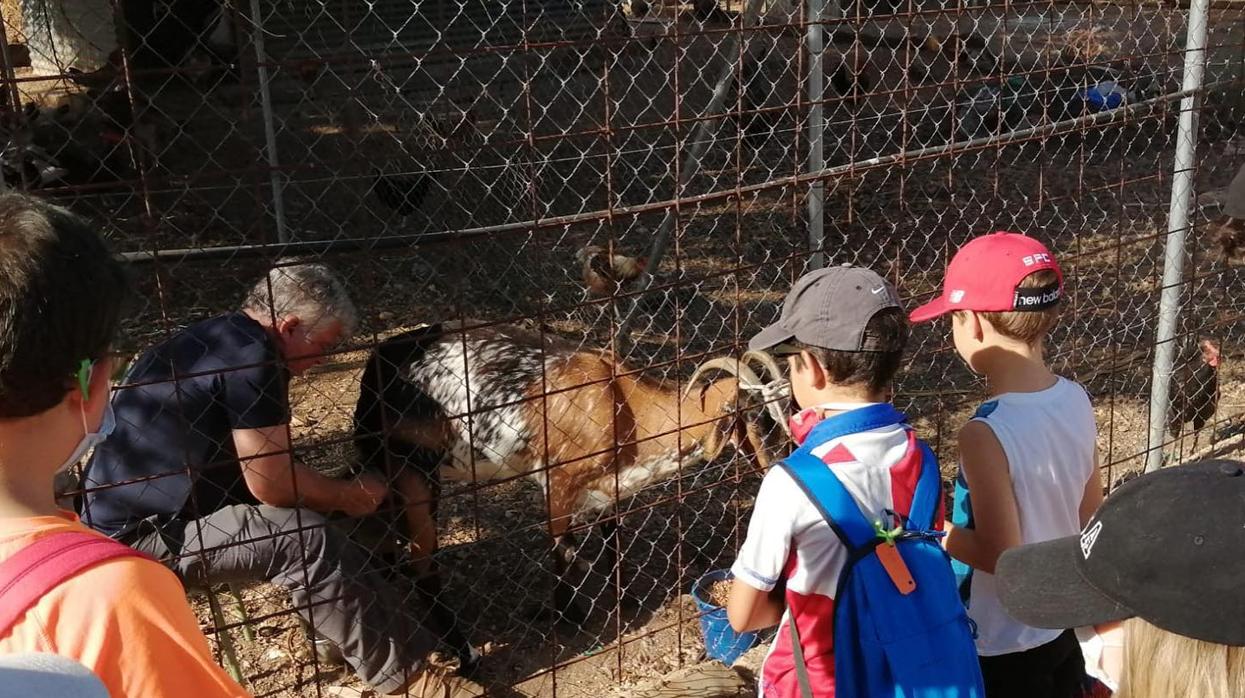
703, 394
747, 439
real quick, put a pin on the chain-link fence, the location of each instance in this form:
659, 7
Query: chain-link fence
614, 194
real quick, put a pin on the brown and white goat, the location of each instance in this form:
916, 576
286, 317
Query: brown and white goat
491, 403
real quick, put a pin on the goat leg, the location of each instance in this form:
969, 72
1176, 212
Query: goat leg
420, 502
613, 550
567, 599
443, 621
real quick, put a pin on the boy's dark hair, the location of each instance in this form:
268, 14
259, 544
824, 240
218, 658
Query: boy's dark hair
876, 369
61, 293
1032, 325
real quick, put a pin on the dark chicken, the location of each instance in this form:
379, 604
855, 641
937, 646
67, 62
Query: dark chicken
402, 194
1195, 390
756, 126
1229, 233
850, 85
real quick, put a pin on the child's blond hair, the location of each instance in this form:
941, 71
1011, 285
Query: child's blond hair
1160, 664
1030, 326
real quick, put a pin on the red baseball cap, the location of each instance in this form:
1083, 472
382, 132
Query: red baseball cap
985, 276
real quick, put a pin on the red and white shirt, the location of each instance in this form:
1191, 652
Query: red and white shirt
789, 540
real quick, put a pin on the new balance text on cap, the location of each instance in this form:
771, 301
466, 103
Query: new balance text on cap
986, 273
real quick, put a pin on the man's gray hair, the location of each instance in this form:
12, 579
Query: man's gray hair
311, 292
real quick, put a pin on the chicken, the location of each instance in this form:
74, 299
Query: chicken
707, 10
105, 77
605, 274
756, 126
1229, 233
851, 85
401, 193
1195, 390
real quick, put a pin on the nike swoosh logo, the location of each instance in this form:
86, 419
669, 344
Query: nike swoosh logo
878, 290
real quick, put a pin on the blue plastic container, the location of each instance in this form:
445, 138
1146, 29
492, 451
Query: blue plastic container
1106, 95
721, 641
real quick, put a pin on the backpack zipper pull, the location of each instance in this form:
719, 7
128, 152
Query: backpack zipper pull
891, 560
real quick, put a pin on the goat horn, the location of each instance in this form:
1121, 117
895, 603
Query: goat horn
776, 379
720, 363
766, 361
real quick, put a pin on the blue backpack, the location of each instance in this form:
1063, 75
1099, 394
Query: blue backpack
911, 643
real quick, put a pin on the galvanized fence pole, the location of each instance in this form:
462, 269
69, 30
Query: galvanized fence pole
1177, 231
816, 35
270, 134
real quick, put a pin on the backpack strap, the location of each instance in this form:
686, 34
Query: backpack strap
928, 489
43, 565
837, 507
824, 489
801, 668
839, 510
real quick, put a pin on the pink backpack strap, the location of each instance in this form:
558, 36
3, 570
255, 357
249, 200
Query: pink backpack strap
43, 565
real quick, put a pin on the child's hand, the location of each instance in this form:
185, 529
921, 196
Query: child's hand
947, 528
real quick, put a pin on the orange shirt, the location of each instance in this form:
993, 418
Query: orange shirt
125, 619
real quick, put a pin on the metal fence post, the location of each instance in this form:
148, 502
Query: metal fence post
816, 35
1177, 231
270, 133
704, 135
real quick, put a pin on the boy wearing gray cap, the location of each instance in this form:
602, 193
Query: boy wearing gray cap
843, 333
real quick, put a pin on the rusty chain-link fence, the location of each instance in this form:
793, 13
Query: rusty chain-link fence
644, 178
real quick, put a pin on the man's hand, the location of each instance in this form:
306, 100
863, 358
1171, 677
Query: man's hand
363, 495
276, 479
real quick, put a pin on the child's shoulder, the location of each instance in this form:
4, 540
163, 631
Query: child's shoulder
1064, 393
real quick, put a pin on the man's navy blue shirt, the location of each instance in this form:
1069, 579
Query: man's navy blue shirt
172, 457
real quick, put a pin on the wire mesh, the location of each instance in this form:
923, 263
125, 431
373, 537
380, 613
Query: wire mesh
515, 162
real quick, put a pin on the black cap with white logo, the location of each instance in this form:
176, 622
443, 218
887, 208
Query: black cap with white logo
1168, 547
830, 308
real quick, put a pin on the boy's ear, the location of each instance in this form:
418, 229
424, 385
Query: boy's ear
99, 383
976, 324
816, 375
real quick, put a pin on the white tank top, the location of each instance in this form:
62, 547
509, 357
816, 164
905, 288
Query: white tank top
1049, 438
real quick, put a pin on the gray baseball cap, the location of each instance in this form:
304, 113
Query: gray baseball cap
829, 308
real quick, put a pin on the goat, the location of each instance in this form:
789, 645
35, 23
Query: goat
491, 403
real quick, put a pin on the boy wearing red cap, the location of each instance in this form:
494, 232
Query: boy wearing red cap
1028, 461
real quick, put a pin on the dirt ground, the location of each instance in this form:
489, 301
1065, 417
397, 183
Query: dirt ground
1099, 196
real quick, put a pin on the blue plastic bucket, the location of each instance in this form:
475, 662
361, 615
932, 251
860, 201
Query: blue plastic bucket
721, 641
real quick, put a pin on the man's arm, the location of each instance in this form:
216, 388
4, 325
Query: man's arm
749, 608
995, 515
276, 479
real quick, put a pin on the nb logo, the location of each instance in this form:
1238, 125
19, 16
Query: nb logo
1089, 537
